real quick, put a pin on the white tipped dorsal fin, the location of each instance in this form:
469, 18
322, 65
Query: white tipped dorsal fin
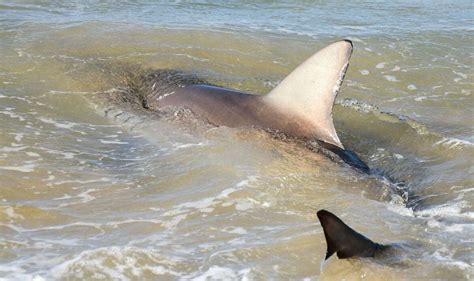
310, 90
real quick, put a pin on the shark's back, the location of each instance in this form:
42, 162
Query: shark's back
301, 105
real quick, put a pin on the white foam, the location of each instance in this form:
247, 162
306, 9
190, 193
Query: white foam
226, 192
217, 273
66, 155
432, 223
398, 156
207, 210
103, 179
243, 205
199, 204
64, 197
173, 223
391, 78
247, 181
19, 137
453, 142
380, 65
10, 212
28, 168
364, 72
458, 227
447, 259
97, 260
161, 270
85, 196
32, 154
112, 142
54, 92
192, 57
206, 205
12, 115
12, 149
463, 75
411, 87
401, 209
236, 230
228, 204
62, 125
186, 145
451, 210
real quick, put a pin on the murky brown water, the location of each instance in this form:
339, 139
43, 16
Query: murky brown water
83, 196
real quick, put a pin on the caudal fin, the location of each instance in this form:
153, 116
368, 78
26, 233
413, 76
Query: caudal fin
310, 90
345, 241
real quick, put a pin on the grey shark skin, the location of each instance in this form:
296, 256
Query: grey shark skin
300, 106
346, 242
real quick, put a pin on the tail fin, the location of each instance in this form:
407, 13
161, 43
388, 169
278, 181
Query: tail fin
310, 90
347, 156
343, 240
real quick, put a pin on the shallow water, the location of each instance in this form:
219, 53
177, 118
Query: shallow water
83, 196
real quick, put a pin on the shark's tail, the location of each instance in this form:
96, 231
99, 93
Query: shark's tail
347, 156
345, 241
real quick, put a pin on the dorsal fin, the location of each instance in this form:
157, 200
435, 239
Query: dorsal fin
309, 91
345, 241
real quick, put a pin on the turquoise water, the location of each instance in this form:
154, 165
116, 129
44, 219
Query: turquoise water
84, 196
312, 18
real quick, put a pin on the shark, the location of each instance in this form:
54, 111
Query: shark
345, 242
300, 106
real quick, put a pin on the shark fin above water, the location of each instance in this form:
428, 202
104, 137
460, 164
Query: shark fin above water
310, 90
344, 241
